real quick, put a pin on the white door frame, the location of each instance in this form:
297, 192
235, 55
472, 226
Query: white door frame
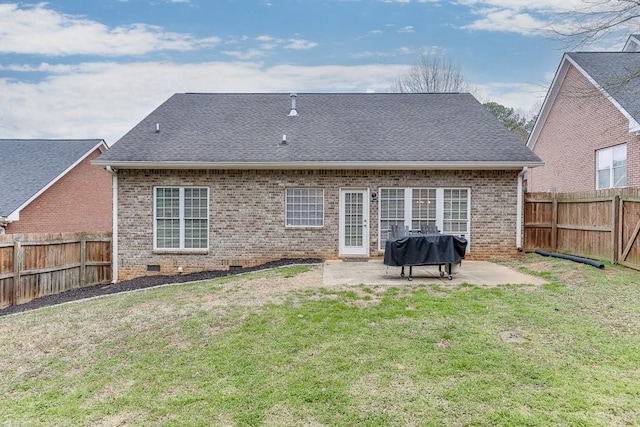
359, 251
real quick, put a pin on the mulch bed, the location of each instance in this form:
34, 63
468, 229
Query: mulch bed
142, 283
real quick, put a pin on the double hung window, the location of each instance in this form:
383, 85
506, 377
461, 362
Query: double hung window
611, 167
446, 208
181, 218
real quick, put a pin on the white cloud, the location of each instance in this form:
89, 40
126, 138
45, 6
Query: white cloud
266, 45
409, 1
39, 30
105, 100
401, 51
370, 54
407, 29
298, 44
265, 38
523, 97
509, 21
246, 54
548, 17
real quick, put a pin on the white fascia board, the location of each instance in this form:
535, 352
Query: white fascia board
549, 100
324, 165
15, 215
633, 124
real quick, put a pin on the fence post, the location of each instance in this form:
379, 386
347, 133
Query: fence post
615, 225
554, 223
17, 267
83, 259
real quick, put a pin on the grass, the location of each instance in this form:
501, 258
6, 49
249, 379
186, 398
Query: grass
238, 352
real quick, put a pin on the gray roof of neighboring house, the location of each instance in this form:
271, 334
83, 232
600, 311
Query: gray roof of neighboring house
214, 130
632, 44
618, 73
27, 166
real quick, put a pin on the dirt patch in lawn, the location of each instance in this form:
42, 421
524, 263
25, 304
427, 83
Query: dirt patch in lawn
252, 291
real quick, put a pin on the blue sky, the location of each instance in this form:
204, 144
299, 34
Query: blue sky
93, 69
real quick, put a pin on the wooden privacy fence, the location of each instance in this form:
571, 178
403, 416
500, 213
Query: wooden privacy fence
602, 225
35, 265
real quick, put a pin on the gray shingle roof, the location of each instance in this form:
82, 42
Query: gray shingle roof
616, 72
632, 44
370, 128
28, 166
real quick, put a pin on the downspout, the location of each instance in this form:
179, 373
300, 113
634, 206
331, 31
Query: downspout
519, 211
114, 226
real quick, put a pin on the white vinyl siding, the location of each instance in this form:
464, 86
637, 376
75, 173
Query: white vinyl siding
611, 167
446, 208
181, 218
304, 207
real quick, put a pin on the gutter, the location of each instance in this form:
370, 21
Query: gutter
396, 165
519, 211
114, 225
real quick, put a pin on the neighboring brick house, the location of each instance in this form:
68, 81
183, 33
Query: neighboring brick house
587, 130
49, 186
209, 181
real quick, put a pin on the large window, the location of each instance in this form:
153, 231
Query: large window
446, 208
611, 167
391, 209
181, 218
456, 211
304, 207
423, 207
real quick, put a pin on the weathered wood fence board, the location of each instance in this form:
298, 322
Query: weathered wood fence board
628, 242
35, 265
601, 225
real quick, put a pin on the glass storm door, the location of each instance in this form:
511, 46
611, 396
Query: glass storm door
354, 222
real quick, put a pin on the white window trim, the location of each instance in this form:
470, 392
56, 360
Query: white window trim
611, 168
408, 199
286, 190
181, 217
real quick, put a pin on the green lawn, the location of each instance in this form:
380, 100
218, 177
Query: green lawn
244, 351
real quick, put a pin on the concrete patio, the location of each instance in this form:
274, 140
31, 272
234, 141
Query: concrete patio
374, 272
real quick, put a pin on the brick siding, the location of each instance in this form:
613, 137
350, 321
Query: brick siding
80, 201
581, 121
247, 214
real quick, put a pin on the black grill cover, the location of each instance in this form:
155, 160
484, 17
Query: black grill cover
425, 249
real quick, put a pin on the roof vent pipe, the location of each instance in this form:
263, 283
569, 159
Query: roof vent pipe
157, 127
293, 111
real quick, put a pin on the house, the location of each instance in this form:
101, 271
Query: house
587, 130
51, 186
213, 181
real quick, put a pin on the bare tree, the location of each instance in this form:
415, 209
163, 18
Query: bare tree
429, 74
597, 19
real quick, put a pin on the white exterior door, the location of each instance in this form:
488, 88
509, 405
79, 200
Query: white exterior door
354, 222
